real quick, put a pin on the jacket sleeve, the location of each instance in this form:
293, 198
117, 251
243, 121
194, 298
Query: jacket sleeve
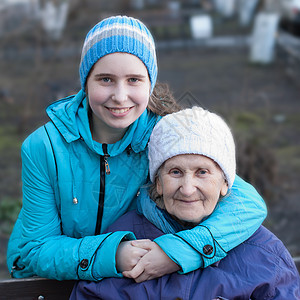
38, 246
282, 280
236, 217
287, 283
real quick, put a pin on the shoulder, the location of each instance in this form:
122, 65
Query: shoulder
37, 139
37, 151
263, 266
264, 248
268, 243
41, 138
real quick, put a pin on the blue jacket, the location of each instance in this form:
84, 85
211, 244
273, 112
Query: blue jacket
69, 201
260, 268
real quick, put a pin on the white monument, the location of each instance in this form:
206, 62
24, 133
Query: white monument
54, 18
201, 26
264, 37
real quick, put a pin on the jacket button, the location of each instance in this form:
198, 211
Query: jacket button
75, 201
84, 263
208, 249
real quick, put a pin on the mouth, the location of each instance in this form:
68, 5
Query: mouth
119, 110
189, 201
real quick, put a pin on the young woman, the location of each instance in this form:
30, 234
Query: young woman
82, 170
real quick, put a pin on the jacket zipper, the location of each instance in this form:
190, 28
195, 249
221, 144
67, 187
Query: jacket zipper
104, 169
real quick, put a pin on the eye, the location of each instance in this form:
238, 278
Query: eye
106, 79
133, 80
202, 172
175, 172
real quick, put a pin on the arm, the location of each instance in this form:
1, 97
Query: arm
235, 219
43, 249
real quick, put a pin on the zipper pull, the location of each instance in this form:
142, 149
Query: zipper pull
107, 169
106, 155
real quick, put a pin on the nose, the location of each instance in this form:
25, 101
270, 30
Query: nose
187, 187
120, 94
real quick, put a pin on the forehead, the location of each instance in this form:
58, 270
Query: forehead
116, 62
189, 161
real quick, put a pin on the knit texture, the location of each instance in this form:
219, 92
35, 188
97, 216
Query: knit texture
193, 131
118, 34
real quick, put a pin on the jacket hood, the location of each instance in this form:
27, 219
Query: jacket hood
70, 116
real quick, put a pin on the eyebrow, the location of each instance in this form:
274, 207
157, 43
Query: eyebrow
112, 75
203, 165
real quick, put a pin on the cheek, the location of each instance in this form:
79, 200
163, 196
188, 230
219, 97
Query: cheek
169, 204
141, 92
216, 186
96, 96
170, 208
142, 98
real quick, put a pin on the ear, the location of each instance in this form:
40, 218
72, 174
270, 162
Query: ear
158, 186
224, 189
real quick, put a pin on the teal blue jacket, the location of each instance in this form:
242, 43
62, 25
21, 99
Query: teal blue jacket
70, 198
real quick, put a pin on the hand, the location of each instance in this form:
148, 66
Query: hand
155, 263
127, 256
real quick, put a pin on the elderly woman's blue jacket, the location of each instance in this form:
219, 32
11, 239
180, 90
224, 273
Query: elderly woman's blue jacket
259, 268
70, 198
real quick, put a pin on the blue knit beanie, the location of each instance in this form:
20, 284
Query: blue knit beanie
118, 34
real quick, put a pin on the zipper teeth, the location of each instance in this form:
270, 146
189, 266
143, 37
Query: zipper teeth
101, 196
104, 169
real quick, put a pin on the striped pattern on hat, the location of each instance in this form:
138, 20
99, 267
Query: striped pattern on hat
118, 34
192, 131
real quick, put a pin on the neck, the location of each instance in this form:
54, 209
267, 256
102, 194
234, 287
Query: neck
104, 134
185, 224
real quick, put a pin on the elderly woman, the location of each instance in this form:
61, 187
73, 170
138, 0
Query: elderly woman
192, 166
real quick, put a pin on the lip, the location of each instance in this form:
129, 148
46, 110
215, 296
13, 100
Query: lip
119, 111
188, 201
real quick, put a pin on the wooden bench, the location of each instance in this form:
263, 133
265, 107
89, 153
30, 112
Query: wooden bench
35, 289
44, 289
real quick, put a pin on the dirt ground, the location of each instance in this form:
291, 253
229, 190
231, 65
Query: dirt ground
261, 103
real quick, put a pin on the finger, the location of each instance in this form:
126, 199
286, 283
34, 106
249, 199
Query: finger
135, 272
143, 277
140, 252
144, 244
135, 257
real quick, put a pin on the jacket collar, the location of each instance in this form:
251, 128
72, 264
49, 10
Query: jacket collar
70, 117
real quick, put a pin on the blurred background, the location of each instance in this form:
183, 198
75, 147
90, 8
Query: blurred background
239, 58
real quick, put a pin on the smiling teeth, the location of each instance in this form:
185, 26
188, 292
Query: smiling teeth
119, 111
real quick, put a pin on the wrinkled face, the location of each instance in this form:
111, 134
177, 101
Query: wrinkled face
191, 185
118, 89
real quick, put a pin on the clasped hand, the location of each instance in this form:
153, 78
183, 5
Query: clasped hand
143, 260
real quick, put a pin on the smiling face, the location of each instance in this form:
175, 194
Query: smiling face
118, 89
191, 185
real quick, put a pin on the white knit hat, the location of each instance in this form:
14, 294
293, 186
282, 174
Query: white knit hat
193, 131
